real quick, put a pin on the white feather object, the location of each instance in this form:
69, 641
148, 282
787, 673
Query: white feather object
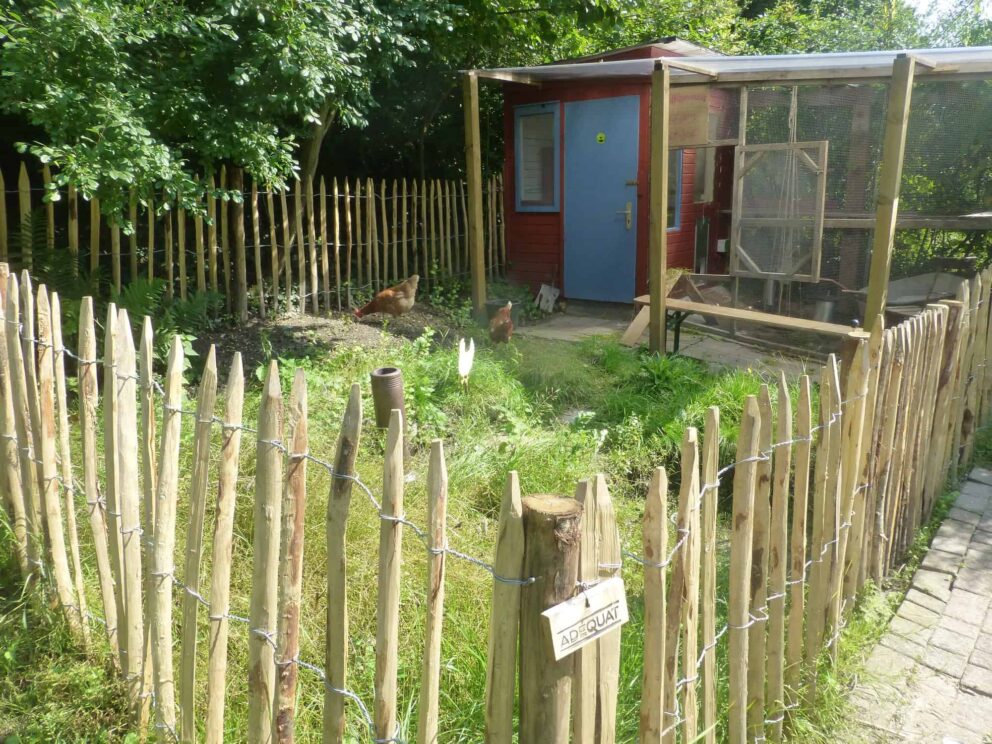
466, 354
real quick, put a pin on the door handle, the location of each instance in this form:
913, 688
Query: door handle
628, 213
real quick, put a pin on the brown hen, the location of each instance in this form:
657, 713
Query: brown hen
393, 300
501, 325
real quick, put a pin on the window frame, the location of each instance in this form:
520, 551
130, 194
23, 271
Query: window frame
520, 113
677, 224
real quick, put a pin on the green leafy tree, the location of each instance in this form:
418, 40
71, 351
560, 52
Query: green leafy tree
143, 94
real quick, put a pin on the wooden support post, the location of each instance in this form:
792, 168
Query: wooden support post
336, 520
586, 664
388, 607
265, 561
225, 237
690, 606
609, 559
220, 578
504, 616
437, 543
797, 550
291, 562
212, 232
10, 477
148, 478
325, 269
111, 468
337, 243
740, 569
312, 252
655, 541
194, 544
473, 169
889, 183
551, 556
658, 210
301, 257
240, 257
270, 213
256, 237
164, 540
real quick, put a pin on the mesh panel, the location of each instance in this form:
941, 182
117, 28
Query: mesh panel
947, 169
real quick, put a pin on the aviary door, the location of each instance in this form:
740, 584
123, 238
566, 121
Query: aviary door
600, 202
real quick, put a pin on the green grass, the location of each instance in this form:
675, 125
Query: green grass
628, 411
50, 691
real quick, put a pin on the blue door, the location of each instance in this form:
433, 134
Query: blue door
601, 198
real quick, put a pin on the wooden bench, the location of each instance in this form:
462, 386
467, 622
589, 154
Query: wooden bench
677, 311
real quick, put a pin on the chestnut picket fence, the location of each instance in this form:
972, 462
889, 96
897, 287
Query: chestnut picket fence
830, 484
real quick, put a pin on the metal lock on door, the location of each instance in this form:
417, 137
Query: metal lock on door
628, 215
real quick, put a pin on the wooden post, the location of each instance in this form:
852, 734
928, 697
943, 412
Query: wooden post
128, 501
65, 460
473, 170
132, 215
23, 442
49, 468
430, 246
338, 501
225, 240
946, 391
265, 561
759, 573
405, 246
709, 492
301, 257
395, 238
690, 607
347, 229
88, 394
170, 259
194, 545
201, 269
256, 237
10, 478
425, 244
797, 560
151, 237
889, 183
609, 558
115, 255
287, 245
337, 243
73, 231
163, 544
778, 553
551, 555
212, 232
654, 532
148, 476
181, 249
359, 227
324, 257
388, 608
220, 578
24, 212
372, 238
586, 663
658, 237
270, 213
504, 616
4, 241
415, 247
32, 403
740, 569
94, 234
291, 562
312, 236
46, 179
437, 543
240, 256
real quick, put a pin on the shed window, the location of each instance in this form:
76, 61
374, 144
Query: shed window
537, 157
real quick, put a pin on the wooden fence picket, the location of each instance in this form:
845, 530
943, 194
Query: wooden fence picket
336, 520
690, 607
265, 560
220, 577
149, 476
256, 235
388, 606
655, 546
797, 548
46, 180
163, 546
291, 561
224, 257
240, 254
609, 558
585, 685
10, 480
745, 476
437, 543
206, 401
24, 212
710, 493
312, 253
324, 257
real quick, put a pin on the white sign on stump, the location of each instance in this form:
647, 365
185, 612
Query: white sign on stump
587, 617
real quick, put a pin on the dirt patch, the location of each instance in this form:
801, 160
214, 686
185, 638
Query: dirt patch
303, 335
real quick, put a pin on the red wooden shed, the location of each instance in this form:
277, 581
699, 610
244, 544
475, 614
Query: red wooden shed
577, 157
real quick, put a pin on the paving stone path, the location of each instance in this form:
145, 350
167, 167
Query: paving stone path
930, 677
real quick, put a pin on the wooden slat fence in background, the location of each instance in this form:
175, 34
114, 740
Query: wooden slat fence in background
862, 480
306, 248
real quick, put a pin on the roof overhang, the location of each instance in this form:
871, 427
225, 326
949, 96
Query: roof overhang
753, 69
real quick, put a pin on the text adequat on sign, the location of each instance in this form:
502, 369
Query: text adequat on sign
587, 617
